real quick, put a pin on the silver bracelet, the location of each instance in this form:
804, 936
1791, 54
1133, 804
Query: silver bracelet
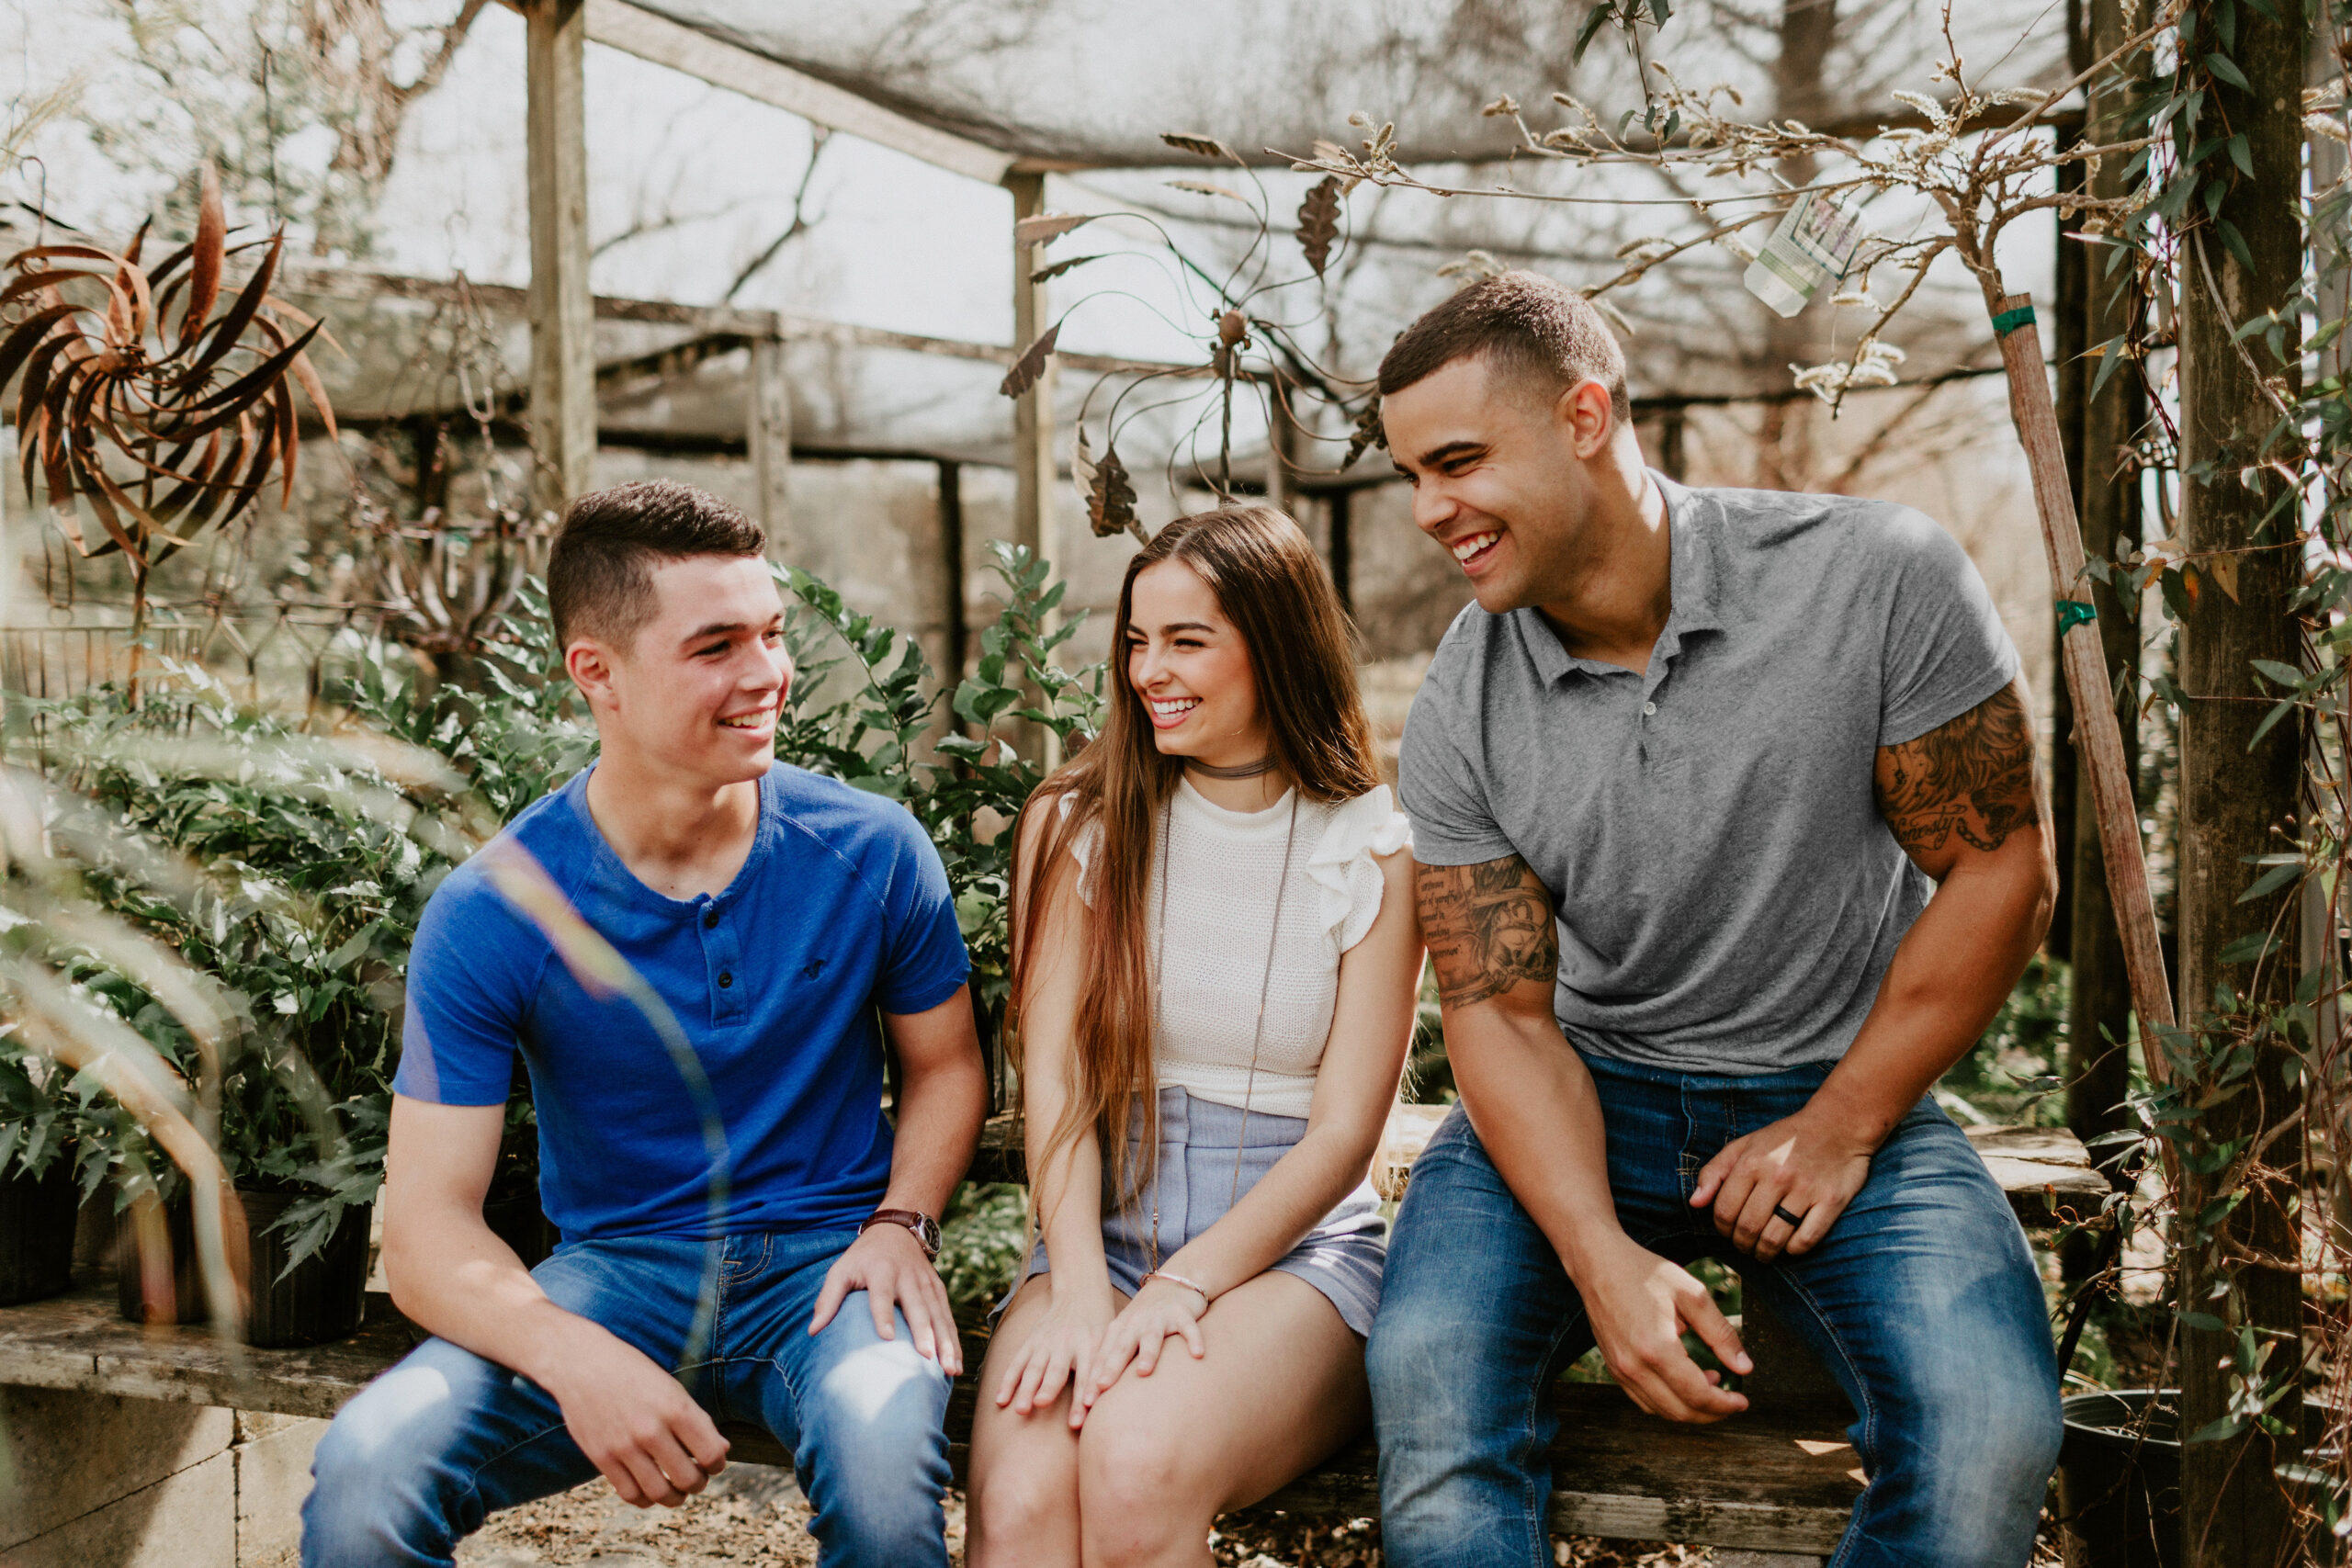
1193, 1286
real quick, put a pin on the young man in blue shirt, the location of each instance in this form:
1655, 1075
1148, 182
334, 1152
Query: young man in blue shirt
787, 1279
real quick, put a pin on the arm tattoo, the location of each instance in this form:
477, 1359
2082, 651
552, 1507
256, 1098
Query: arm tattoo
1974, 776
1489, 928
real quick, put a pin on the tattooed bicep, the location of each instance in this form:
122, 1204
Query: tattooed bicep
1489, 928
1971, 779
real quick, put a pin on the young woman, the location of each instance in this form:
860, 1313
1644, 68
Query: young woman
1216, 963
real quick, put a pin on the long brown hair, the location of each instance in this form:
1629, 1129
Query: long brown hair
1274, 589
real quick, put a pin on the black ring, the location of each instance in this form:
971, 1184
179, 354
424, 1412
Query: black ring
1797, 1221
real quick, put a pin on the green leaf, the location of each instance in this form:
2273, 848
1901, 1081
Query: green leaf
2270, 881
2220, 1427
2223, 67
2242, 154
2282, 674
2205, 1320
2231, 238
2247, 949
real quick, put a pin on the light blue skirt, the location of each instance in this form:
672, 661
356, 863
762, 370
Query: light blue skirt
1194, 1184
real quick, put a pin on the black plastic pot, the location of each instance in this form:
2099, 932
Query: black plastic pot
321, 1299
2119, 1493
521, 1223
37, 1218
325, 1296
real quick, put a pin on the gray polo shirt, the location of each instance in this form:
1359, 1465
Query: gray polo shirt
1728, 896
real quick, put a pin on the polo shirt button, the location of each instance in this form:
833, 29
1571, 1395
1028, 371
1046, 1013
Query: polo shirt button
726, 978
1650, 707
710, 916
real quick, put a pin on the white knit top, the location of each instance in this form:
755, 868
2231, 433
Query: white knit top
1223, 870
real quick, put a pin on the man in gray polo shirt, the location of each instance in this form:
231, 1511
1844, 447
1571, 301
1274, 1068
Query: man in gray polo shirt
1725, 807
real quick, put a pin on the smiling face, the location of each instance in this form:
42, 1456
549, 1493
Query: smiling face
1502, 475
697, 690
1191, 668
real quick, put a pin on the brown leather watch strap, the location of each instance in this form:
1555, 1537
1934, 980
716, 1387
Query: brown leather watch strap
925, 1228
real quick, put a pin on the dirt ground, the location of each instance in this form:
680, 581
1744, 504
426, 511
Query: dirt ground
753, 1516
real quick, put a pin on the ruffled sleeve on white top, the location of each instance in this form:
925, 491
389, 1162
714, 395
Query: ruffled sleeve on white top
1345, 864
1081, 850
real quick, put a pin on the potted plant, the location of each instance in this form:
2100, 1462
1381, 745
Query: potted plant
42, 1150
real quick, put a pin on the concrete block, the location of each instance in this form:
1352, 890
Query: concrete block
273, 1480
65, 1454
186, 1521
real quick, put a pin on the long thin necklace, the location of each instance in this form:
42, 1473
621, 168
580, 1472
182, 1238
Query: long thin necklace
1265, 989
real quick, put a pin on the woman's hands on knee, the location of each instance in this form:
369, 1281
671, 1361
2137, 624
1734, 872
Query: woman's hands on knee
636, 1423
1162, 1310
1060, 1350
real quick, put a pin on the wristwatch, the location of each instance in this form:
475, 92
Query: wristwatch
926, 1229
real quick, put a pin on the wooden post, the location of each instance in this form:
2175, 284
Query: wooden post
2098, 1074
954, 626
563, 341
2069, 303
1343, 547
2238, 798
769, 427
1033, 469
1033, 411
1281, 451
2104, 769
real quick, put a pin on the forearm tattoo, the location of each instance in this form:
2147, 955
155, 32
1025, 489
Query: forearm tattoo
1974, 776
1489, 928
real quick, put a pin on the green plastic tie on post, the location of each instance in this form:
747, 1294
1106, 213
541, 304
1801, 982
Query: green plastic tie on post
2009, 322
2072, 612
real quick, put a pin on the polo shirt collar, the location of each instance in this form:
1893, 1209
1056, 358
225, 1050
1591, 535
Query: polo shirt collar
1691, 576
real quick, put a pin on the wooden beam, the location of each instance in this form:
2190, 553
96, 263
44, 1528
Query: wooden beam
1033, 469
648, 36
563, 343
767, 424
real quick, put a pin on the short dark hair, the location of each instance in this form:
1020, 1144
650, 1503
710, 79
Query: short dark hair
600, 570
1524, 325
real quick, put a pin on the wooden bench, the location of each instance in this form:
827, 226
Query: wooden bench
1778, 1480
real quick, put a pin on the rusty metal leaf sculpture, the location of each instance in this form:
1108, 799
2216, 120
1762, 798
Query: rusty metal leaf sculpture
161, 431
1367, 433
1111, 503
1031, 365
1318, 222
1192, 142
1049, 226
1061, 268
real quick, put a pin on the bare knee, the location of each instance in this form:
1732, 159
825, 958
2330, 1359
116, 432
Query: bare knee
1022, 1508
1142, 1491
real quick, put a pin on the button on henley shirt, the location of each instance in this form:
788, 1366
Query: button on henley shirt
1728, 896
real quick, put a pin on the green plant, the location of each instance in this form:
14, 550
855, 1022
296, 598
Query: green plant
287, 870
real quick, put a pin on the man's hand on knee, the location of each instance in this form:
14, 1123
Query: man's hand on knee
637, 1424
888, 1265
1639, 1305
1781, 1188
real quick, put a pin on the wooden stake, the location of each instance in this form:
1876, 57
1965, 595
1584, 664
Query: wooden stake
2108, 777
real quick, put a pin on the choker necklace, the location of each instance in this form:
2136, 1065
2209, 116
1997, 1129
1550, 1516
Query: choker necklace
1257, 769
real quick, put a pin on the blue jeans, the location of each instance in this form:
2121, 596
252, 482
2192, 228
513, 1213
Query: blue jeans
1923, 1300
445, 1438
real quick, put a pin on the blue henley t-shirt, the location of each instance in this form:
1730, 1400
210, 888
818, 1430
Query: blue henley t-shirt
841, 909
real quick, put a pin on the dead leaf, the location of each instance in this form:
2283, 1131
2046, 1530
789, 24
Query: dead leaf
1368, 432
1061, 268
1031, 365
1111, 504
1049, 226
1192, 141
1318, 222
2224, 570
1199, 189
